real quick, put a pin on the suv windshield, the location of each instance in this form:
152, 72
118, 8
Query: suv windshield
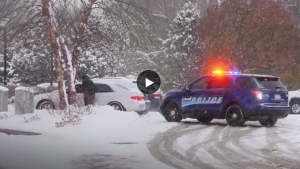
269, 83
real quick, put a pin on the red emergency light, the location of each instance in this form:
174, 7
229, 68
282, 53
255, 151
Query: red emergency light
221, 72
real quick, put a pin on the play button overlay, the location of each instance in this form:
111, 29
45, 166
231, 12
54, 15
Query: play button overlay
148, 82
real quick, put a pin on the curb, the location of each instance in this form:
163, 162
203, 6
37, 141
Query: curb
18, 132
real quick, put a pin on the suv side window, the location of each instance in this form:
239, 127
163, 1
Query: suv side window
199, 84
219, 82
244, 82
103, 88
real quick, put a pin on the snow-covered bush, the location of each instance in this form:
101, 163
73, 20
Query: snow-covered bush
28, 118
73, 115
3, 116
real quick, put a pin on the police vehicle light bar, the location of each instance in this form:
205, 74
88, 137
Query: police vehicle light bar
220, 72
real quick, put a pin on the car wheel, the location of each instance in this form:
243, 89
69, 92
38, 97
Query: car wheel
172, 113
205, 119
268, 122
142, 112
234, 116
46, 105
117, 106
295, 107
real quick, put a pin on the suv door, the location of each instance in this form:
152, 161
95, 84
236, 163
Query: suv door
215, 94
190, 99
104, 94
244, 85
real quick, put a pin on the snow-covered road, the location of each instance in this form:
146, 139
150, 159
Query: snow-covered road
191, 145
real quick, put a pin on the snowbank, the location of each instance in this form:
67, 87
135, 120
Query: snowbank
105, 133
2, 88
23, 88
46, 85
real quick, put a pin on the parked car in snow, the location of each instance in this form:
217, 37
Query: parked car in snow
107, 93
294, 101
127, 83
154, 99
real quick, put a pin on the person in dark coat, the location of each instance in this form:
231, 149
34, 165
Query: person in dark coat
89, 91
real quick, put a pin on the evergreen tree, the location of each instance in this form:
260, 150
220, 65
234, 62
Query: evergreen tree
180, 61
31, 63
106, 47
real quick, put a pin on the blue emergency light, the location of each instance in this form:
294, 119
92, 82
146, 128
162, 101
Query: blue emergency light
220, 72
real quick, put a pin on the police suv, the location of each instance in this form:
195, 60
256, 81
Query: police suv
233, 96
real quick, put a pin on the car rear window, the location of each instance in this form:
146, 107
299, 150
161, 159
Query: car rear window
120, 86
269, 83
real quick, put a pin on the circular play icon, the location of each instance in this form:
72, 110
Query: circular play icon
148, 82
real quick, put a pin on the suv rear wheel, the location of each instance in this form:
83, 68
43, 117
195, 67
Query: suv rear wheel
172, 113
268, 122
235, 116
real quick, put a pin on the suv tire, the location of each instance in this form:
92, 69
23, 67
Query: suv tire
270, 122
234, 116
172, 113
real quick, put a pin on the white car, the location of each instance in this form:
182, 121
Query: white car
107, 93
129, 84
294, 101
153, 99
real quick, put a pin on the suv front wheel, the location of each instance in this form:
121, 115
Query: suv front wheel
172, 113
235, 116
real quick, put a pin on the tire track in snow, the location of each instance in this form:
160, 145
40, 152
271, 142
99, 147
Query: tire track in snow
224, 144
273, 149
272, 159
161, 147
234, 155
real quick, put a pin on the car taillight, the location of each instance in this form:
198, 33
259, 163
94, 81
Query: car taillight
258, 94
157, 96
138, 98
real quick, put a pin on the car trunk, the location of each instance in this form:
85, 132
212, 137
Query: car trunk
272, 90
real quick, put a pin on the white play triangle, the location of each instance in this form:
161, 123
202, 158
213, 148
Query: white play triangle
148, 82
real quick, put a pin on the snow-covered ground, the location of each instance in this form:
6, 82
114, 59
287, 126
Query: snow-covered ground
111, 139
217, 145
104, 138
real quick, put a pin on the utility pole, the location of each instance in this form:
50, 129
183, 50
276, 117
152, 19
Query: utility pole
5, 56
3, 25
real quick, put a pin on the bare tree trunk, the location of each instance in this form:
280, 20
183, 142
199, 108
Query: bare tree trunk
56, 51
70, 71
